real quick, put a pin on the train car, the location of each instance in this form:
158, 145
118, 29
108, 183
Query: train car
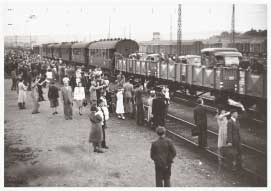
57, 51
44, 50
80, 53
65, 51
37, 49
102, 53
50, 50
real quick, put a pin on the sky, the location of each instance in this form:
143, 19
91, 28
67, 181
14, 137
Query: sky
89, 20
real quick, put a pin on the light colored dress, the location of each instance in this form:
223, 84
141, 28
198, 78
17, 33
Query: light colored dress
79, 95
120, 107
22, 92
222, 130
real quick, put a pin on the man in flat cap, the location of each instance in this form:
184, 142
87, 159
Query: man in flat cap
162, 153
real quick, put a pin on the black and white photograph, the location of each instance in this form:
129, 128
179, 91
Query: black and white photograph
134, 93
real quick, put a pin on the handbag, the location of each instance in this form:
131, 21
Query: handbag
195, 131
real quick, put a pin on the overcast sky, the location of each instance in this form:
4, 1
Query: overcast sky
87, 20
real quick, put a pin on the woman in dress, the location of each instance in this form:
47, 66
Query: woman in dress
22, 88
79, 96
53, 96
149, 106
35, 96
96, 132
120, 106
222, 130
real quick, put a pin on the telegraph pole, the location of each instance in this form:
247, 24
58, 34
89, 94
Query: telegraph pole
233, 26
179, 32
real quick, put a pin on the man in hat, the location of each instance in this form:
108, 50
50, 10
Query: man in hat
200, 118
159, 110
162, 153
139, 105
234, 140
128, 95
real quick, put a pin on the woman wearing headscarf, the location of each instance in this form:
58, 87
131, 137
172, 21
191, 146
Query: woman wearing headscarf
22, 88
96, 132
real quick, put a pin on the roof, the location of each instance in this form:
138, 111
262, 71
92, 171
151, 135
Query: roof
57, 45
108, 44
218, 50
168, 42
66, 45
51, 45
228, 54
81, 45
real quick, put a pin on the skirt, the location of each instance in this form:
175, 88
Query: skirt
54, 103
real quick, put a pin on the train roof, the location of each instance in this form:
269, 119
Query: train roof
51, 45
66, 45
58, 45
225, 53
81, 45
218, 50
107, 44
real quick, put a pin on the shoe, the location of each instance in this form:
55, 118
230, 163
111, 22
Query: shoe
105, 147
123, 118
119, 117
99, 151
80, 114
56, 112
35, 112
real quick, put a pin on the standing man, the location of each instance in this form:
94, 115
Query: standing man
234, 140
66, 93
162, 153
14, 79
128, 94
200, 118
159, 110
139, 105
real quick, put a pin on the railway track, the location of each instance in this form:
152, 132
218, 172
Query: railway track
212, 109
254, 160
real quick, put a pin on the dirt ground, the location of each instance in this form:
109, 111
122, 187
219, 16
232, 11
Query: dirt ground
47, 150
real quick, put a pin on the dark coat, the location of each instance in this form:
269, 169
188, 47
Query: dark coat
53, 92
200, 116
96, 132
233, 133
159, 110
162, 152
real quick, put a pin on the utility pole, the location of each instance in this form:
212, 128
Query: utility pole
129, 31
170, 47
179, 32
108, 36
233, 26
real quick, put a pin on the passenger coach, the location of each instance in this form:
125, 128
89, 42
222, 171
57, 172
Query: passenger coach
102, 53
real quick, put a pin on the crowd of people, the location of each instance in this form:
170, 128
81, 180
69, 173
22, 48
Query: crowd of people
97, 94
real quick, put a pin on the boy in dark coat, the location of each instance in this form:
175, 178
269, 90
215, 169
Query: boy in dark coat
162, 153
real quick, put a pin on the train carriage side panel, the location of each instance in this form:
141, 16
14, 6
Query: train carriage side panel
178, 72
154, 69
130, 68
208, 77
143, 68
137, 71
172, 71
189, 74
255, 85
124, 65
163, 70
197, 76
